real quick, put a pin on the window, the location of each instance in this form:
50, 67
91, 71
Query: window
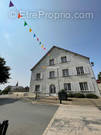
51, 62
67, 86
65, 72
52, 89
38, 76
52, 74
83, 86
64, 59
80, 70
37, 88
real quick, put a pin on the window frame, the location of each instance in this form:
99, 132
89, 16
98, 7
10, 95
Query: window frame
80, 70
50, 62
62, 59
50, 74
83, 86
52, 89
68, 86
38, 78
36, 88
64, 73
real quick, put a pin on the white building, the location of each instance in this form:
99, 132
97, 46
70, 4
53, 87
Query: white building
62, 69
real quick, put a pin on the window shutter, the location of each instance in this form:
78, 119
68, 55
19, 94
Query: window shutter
68, 58
86, 70
72, 87
74, 71
70, 71
33, 76
90, 86
77, 87
41, 75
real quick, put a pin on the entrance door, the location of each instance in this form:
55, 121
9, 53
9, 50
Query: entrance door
52, 89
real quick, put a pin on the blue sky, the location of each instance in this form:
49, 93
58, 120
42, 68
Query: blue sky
22, 52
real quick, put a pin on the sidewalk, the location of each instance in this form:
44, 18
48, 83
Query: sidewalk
75, 120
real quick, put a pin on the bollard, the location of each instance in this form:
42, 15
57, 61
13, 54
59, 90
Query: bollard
3, 127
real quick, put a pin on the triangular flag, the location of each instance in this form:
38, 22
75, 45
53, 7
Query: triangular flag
30, 30
51, 57
25, 23
19, 15
37, 39
11, 4
42, 46
48, 54
44, 67
34, 35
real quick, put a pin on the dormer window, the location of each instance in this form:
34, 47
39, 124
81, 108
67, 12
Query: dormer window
51, 62
63, 59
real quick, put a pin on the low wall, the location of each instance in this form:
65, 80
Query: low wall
23, 94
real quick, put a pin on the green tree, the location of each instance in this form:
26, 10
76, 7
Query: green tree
6, 90
4, 71
99, 76
0, 92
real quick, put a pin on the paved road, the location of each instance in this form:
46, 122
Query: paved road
25, 118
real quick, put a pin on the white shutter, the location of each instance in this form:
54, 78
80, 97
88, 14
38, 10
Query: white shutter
74, 71
56, 72
41, 75
86, 70
90, 86
68, 58
70, 71
72, 87
59, 59
76, 86
33, 76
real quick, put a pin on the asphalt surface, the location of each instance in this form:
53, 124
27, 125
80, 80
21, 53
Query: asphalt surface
24, 117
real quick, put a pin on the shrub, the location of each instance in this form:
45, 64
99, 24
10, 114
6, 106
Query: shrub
79, 95
6, 90
62, 91
0, 92
71, 95
91, 96
76, 95
62, 95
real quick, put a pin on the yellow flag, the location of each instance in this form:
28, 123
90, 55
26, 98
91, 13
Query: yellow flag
30, 30
42, 46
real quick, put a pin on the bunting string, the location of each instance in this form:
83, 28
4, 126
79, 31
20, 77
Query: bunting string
19, 16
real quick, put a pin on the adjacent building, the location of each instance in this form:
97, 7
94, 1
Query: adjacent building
62, 69
99, 85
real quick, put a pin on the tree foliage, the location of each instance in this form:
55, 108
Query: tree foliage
99, 76
4, 71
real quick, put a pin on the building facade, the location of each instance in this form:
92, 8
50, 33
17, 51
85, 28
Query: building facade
99, 85
62, 69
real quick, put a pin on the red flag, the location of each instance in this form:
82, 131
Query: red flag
37, 39
19, 15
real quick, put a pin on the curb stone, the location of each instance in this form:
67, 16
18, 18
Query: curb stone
50, 123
